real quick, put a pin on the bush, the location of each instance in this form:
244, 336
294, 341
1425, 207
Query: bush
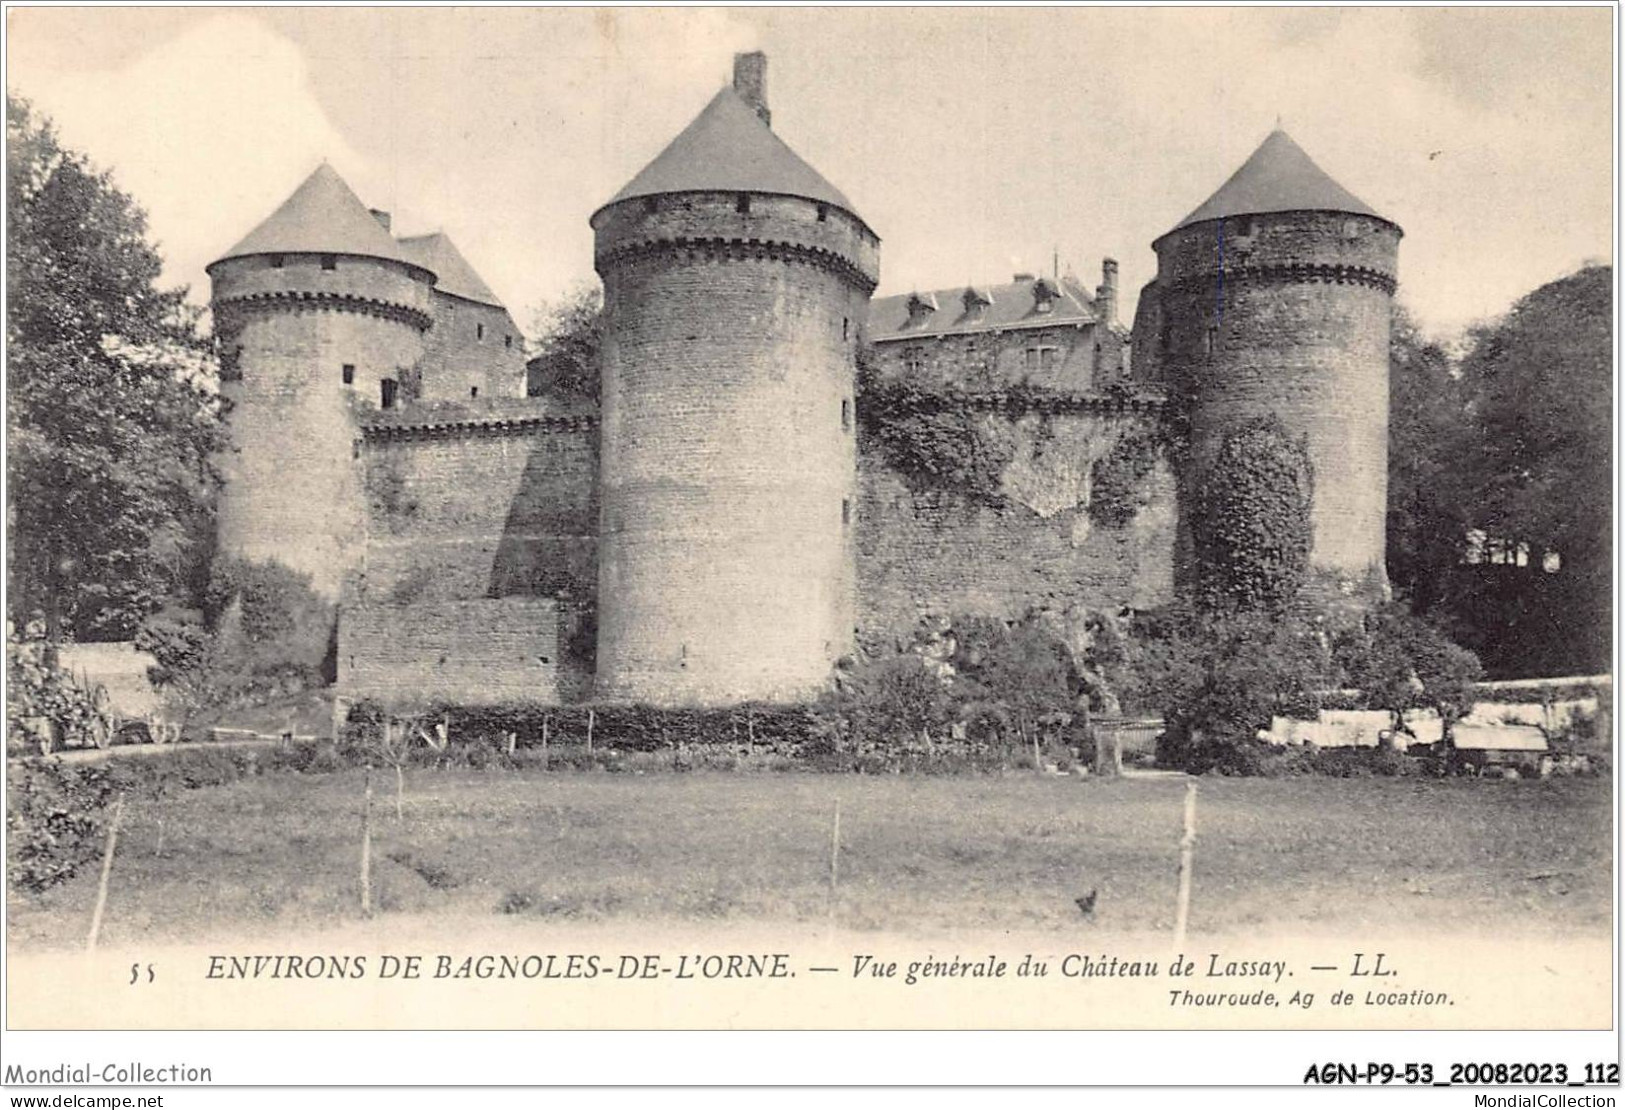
40, 695
1223, 677
56, 819
269, 634
1399, 661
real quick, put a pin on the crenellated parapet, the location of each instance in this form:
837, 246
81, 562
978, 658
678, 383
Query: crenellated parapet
697, 228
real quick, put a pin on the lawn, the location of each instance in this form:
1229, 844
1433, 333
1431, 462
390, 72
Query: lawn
278, 854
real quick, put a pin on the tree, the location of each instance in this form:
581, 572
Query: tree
112, 416
1540, 389
566, 354
1429, 438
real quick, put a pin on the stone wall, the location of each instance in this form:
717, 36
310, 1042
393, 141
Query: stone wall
1086, 357
941, 554
473, 351
477, 651
481, 508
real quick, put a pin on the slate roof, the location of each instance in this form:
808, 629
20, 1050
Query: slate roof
1279, 177
728, 148
1013, 306
322, 216
436, 252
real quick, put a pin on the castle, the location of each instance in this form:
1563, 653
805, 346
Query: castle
715, 530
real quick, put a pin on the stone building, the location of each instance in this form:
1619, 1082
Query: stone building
1274, 297
1051, 332
736, 279
321, 316
731, 520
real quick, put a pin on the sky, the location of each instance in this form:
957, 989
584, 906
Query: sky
976, 141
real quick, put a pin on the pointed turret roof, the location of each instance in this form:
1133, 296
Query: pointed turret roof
1279, 177
436, 252
323, 216
729, 148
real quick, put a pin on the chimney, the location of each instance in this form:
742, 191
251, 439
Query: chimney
1023, 277
1106, 295
381, 216
750, 82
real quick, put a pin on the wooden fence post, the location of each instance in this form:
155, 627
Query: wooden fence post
366, 847
1187, 849
834, 862
107, 872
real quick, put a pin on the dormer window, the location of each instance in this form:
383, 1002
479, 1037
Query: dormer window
920, 307
975, 300
1044, 295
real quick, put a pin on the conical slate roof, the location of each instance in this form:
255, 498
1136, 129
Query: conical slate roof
323, 216
436, 252
1279, 177
728, 148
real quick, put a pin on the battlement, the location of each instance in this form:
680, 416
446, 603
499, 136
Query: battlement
719, 227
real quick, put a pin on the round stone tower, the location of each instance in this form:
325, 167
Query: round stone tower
316, 310
1274, 298
735, 283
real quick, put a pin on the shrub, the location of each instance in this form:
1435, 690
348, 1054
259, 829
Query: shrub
1399, 661
56, 816
40, 695
1223, 677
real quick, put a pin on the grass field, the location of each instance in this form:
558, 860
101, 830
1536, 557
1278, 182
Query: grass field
279, 854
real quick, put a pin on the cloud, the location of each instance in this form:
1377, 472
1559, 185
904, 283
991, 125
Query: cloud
209, 131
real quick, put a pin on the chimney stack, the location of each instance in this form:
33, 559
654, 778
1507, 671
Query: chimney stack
381, 216
750, 82
1106, 295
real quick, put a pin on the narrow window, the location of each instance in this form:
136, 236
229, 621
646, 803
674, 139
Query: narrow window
823, 213
846, 327
349, 373
507, 341
742, 204
846, 414
473, 391
329, 262
479, 331
651, 205
1212, 339
846, 510
277, 261
386, 388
